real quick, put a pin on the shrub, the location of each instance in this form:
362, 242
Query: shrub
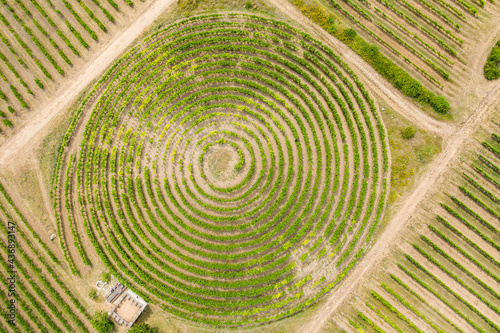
492, 66
412, 89
248, 4
440, 104
7, 122
106, 277
350, 34
408, 132
143, 328
39, 83
101, 322
93, 294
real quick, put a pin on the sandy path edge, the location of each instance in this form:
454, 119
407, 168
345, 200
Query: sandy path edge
91, 71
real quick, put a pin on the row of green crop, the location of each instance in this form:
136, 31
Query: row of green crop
448, 289
440, 13
21, 324
54, 25
33, 38
42, 30
491, 68
414, 36
419, 13
431, 64
360, 46
391, 34
60, 229
14, 71
411, 307
77, 242
481, 188
24, 46
468, 241
96, 212
423, 301
164, 277
445, 299
458, 279
414, 23
80, 20
12, 50
182, 277
392, 309
37, 272
370, 323
490, 178
459, 266
451, 243
482, 204
390, 71
452, 9
388, 320
471, 226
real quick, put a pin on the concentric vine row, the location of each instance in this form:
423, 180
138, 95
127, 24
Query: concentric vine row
231, 169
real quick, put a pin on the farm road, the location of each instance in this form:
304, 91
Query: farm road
82, 79
455, 136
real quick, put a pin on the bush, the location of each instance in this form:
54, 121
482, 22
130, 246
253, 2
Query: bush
408, 132
248, 4
143, 328
350, 34
106, 277
7, 122
412, 89
440, 104
492, 66
93, 294
101, 322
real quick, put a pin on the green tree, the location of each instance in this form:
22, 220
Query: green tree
143, 328
101, 322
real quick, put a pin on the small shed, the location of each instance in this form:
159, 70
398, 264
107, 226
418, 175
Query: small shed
128, 308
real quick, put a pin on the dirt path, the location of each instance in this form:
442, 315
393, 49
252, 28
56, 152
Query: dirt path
455, 137
377, 83
89, 73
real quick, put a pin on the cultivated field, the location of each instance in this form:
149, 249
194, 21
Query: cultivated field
438, 42
251, 166
444, 276
44, 43
212, 151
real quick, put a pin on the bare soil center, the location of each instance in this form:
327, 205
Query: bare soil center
221, 163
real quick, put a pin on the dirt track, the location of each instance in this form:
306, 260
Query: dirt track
90, 72
455, 137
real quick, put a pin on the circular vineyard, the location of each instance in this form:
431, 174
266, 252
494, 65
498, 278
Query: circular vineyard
230, 169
